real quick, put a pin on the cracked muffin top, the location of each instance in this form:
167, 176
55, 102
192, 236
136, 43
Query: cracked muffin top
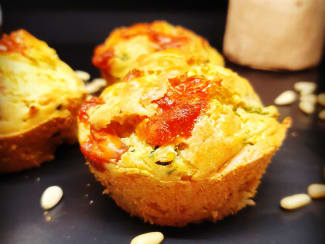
125, 45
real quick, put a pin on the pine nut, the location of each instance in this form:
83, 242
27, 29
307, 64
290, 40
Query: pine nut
3, 48
95, 85
148, 238
312, 98
51, 197
307, 107
305, 87
316, 190
285, 98
214, 215
250, 202
321, 99
295, 201
321, 114
82, 75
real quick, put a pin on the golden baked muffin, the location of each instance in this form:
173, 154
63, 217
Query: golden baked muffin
125, 45
180, 144
39, 99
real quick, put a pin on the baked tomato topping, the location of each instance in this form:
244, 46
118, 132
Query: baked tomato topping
83, 112
135, 73
178, 110
11, 43
93, 155
167, 41
101, 59
163, 40
105, 52
104, 145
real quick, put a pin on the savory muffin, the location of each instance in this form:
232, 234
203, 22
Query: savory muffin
181, 146
39, 99
126, 44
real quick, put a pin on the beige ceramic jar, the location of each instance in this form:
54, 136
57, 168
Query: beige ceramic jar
275, 34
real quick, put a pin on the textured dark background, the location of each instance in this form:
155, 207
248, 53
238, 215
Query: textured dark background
73, 28
121, 4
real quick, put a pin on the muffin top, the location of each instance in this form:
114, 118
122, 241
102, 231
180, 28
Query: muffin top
126, 44
35, 85
181, 122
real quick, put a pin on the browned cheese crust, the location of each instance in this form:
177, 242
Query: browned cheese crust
125, 45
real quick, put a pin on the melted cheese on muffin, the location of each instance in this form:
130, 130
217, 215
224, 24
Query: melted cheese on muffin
36, 86
174, 125
125, 45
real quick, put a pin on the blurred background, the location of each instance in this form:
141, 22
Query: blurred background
91, 21
122, 4
75, 27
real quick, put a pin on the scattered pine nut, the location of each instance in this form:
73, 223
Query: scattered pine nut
295, 201
305, 87
83, 75
312, 98
286, 98
148, 238
250, 202
294, 134
321, 99
321, 114
95, 85
316, 190
51, 197
307, 107
48, 218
